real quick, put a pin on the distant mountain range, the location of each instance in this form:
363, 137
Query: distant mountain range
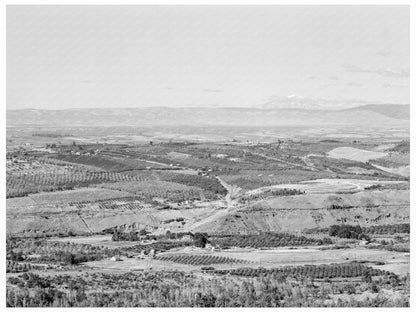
301, 102
377, 115
393, 111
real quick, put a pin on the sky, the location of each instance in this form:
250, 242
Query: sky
61, 57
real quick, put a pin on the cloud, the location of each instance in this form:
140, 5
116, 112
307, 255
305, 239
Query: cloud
354, 84
383, 53
387, 72
86, 81
213, 90
333, 78
312, 77
388, 85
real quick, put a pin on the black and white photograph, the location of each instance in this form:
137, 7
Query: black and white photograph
207, 155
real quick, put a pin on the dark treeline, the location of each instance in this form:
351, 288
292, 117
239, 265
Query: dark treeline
347, 231
65, 253
354, 231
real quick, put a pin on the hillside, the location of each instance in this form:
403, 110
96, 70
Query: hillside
390, 110
296, 213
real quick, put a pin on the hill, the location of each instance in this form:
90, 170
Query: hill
396, 111
365, 116
296, 213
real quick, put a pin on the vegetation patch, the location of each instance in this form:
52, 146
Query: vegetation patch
180, 289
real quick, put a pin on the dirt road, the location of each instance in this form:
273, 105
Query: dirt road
232, 193
284, 161
231, 202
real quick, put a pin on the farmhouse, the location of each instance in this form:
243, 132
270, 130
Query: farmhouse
179, 155
33, 256
186, 237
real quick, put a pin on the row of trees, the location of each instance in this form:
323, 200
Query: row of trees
199, 259
387, 229
64, 253
13, 266
198, 239
315, 271
273, 192
350, 230
271, 239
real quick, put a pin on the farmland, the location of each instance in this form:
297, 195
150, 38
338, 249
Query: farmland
199, 259
266, 240
355, 154
207, 156
85, 214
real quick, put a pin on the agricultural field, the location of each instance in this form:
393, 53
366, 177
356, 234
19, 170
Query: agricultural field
198, 259
150, 190
252, 179
90, 194
266, 240
116, 164
313, 271
25, 183
230, 212
355, 154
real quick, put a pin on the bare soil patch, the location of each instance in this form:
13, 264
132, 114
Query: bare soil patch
356, 154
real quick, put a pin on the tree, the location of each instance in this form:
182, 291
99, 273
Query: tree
170, 235
69, 258
200, 239
206, 301
374, 288
333, 230
133, 236
116, 236
349, 289
367, 277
